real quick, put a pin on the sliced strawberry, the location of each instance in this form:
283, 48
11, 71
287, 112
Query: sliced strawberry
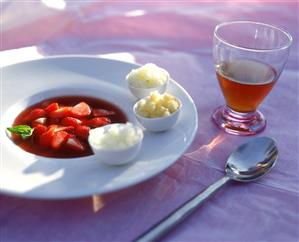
69, 129
80, 110
82, 132
60, 113
99, 112
46, 138
52, 126
96, 122
38, 130
59, 139
74, 144
38, 121
70, 121
35, 114
52, 107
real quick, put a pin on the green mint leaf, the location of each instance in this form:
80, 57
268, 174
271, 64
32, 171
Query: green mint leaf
24, 130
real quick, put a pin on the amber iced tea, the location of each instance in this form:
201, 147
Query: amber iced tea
249, 57
245, 83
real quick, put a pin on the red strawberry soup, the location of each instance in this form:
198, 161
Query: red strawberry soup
61, 125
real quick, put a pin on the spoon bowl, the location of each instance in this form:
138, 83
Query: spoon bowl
252, 160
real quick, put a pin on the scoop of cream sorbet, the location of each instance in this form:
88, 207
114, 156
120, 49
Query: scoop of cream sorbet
115, 136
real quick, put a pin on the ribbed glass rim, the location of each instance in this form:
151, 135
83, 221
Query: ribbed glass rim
289, 37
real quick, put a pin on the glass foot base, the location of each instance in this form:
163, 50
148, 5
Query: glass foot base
239, 123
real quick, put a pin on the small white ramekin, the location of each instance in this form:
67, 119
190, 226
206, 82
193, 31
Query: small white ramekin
117, 156
161, 123
139, 92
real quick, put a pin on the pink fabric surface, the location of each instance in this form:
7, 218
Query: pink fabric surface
178, 37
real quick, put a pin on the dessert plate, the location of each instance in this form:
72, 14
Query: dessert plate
28, 175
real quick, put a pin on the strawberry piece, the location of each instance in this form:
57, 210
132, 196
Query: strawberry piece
99, 112
80, 110
52, 126
82, 132
96, 122
70, 121
35, 114
38, 130
46, 138
38, 121
64, 128
58, 139
74, 144
60, 113
52, 107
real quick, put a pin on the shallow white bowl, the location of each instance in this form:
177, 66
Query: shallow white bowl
158, 124
50, 178
139, 92
116, 156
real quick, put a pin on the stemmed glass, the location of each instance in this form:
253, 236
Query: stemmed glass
249, 58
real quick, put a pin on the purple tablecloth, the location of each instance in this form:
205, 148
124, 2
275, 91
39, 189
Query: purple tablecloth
178, 37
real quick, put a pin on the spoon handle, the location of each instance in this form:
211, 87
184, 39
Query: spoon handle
162, 227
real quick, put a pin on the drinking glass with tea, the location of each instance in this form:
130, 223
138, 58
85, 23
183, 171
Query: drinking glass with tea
249, 58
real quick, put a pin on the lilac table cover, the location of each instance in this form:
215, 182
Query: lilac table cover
177, 36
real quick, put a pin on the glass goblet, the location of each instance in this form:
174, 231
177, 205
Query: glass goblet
249, 58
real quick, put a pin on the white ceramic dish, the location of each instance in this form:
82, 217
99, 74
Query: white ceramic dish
115, 156
158, 124
139, 92
27, 175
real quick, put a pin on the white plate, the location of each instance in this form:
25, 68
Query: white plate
27, 175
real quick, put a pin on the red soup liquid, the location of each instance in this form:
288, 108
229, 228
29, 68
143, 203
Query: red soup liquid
61, 125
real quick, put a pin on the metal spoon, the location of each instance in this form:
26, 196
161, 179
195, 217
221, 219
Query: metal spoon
248, 162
